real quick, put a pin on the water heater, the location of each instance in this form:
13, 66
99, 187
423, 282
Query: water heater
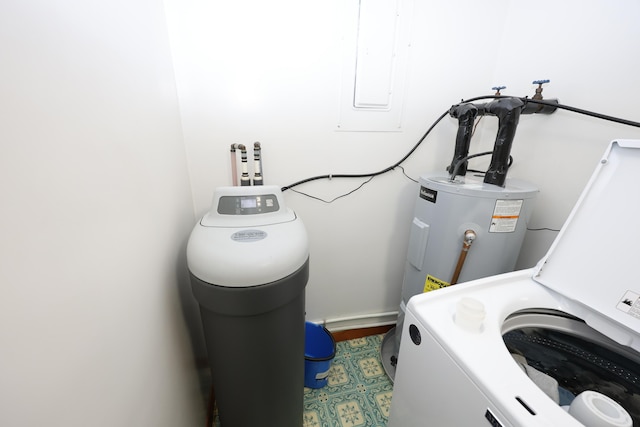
463, 229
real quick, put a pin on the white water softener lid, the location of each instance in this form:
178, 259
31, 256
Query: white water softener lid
248, 238
593, 261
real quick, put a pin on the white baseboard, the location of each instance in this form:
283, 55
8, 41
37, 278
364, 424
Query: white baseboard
358, 321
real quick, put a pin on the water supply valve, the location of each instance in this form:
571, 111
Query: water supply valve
538, 95
538, 104
498, 89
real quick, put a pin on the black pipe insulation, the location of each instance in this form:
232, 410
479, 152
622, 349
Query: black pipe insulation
507, 110
543, 106
466, 115
532, 106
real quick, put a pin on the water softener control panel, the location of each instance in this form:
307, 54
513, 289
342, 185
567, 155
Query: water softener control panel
248, 204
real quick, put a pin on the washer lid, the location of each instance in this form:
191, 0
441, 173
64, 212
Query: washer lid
594, 260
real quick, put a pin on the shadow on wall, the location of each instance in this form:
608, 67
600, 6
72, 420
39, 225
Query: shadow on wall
190, 308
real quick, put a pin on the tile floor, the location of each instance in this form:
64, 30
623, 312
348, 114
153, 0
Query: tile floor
358, 392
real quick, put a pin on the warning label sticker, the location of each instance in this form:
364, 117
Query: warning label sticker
505, 216
630, 304
432, 283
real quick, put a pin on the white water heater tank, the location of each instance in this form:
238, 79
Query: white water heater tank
445, 211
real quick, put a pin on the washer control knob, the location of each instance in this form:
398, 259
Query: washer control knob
470, 314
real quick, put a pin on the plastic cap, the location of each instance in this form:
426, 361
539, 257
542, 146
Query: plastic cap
470, 314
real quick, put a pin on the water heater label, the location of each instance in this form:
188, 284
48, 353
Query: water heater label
428, 194
433, 283
505, 216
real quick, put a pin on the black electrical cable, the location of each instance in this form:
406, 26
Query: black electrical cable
585, 112
335, 198
544, 229
367, 175
478, 98
459, 163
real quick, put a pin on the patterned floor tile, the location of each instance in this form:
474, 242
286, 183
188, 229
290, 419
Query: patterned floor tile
358, 392
337, 375
311, 419
350, 414
358, 342
384, 403
371, 367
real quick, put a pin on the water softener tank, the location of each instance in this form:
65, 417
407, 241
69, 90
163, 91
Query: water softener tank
249, 264
446, 212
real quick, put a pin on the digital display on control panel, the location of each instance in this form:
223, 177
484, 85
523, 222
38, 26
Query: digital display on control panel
248, 205
248, 202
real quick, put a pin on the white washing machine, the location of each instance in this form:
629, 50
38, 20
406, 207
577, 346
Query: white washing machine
554, 345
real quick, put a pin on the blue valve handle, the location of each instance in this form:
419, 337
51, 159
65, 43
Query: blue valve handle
498, 89
540, 82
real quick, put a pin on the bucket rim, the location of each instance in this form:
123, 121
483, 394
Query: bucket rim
333, 345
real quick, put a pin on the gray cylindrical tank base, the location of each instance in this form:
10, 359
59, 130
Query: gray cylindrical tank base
255, 344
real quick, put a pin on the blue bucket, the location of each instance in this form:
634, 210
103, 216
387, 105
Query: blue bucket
319, 351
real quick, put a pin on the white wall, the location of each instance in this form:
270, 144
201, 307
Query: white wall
270, 72
96, 206
96, 202
586, 50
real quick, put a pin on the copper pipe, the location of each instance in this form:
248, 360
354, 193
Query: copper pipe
469, 237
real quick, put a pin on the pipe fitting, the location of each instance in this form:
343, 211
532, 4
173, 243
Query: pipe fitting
469, 237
